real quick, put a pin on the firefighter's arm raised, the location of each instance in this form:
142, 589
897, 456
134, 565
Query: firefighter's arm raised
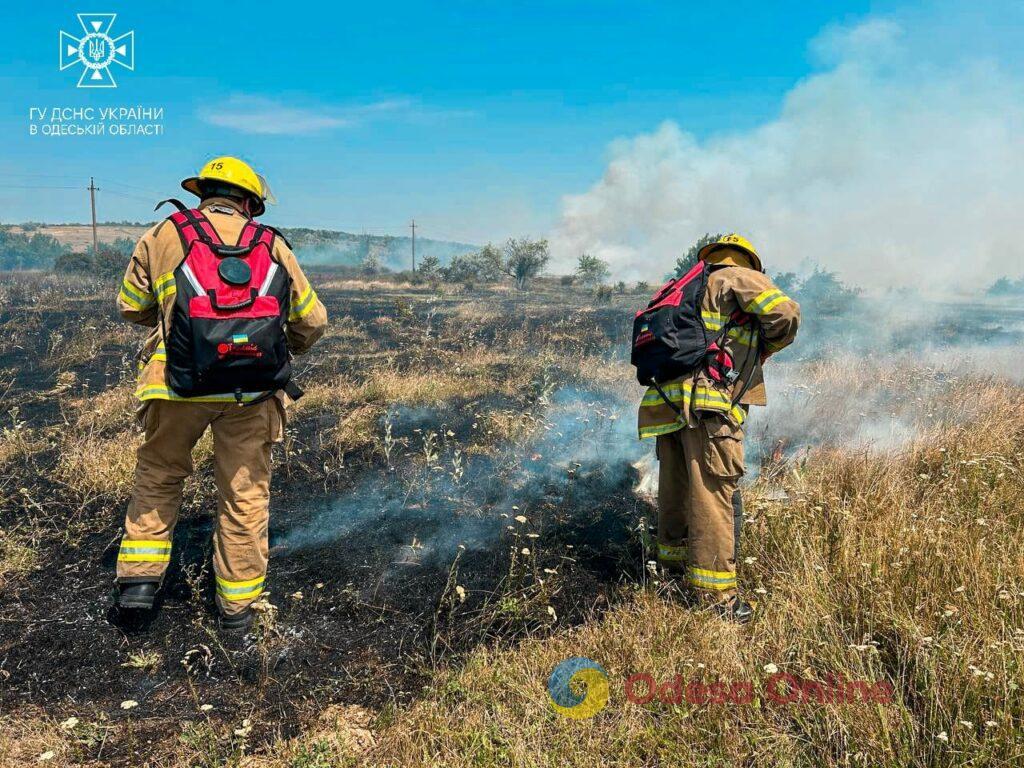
307, 318
136, 301
778, 314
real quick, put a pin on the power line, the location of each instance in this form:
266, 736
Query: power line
38, 175
377, 231
108, 182
33, 186
126, 195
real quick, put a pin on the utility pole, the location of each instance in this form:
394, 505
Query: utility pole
412, 226
93, 189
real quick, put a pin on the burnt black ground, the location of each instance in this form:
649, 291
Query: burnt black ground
374, 617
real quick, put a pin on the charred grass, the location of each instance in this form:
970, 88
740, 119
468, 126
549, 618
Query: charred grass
454, 514
400, 397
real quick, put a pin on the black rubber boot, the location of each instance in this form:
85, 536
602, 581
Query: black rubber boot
737, 610
139, 596
237, 622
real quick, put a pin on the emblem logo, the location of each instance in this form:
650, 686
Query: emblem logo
96, 50
578, 688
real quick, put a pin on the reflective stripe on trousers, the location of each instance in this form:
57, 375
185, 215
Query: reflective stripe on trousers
136, 551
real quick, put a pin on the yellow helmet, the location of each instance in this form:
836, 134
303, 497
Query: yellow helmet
231, 170
732, 241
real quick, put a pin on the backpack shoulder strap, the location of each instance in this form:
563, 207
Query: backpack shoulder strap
254, 233
173, 201
277, 232
192, 226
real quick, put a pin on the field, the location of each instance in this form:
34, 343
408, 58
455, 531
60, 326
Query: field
461, 503
78, 237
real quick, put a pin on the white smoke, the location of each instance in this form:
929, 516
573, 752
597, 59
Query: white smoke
886, 166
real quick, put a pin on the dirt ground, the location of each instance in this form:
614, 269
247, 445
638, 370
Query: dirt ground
460, 504
369, 539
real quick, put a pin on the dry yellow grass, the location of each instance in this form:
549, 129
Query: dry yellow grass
17, 557
356, 429
111, 409
33, 739
902, 566
91, 465
18, 443
77, 345
96, 452
501, 427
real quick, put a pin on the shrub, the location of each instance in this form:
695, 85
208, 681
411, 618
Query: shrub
28, 251
524, 259
591, 270
685, 262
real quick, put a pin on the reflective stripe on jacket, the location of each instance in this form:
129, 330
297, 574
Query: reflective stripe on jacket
730, 289
148, 289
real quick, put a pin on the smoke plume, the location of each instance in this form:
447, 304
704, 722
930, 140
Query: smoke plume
886, 166
580, 457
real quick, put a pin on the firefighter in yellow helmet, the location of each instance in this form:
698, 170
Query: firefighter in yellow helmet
699, 429
228, 305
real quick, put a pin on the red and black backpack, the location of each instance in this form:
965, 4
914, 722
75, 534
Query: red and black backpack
671, 339
227, 330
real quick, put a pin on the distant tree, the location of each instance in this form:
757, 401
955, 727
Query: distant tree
24, 251
109, 262
827, 292
685, 262
370, 264
603, 294
642, 287
489, 263
429, 267
566, 280
461, 269
591, 270
484, 266
620, 287
522, 260
787, 282
1004, 286
73, 263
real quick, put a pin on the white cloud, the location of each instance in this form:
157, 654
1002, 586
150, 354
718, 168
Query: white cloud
259, 115
889, 166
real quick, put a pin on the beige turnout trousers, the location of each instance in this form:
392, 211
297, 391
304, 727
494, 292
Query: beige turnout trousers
699, 471
242, 437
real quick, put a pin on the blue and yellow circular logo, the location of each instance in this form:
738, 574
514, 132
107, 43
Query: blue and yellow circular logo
587, 675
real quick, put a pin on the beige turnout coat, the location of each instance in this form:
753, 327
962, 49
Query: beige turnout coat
147, 295
774, 319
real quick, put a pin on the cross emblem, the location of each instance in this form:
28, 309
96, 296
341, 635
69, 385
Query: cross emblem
96, 50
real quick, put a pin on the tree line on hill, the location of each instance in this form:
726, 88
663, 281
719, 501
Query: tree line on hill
518, 259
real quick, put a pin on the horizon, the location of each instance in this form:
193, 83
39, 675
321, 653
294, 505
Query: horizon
625, 133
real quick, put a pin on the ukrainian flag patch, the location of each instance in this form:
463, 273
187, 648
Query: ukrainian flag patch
239, 338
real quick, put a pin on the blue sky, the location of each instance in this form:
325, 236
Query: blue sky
474, 117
